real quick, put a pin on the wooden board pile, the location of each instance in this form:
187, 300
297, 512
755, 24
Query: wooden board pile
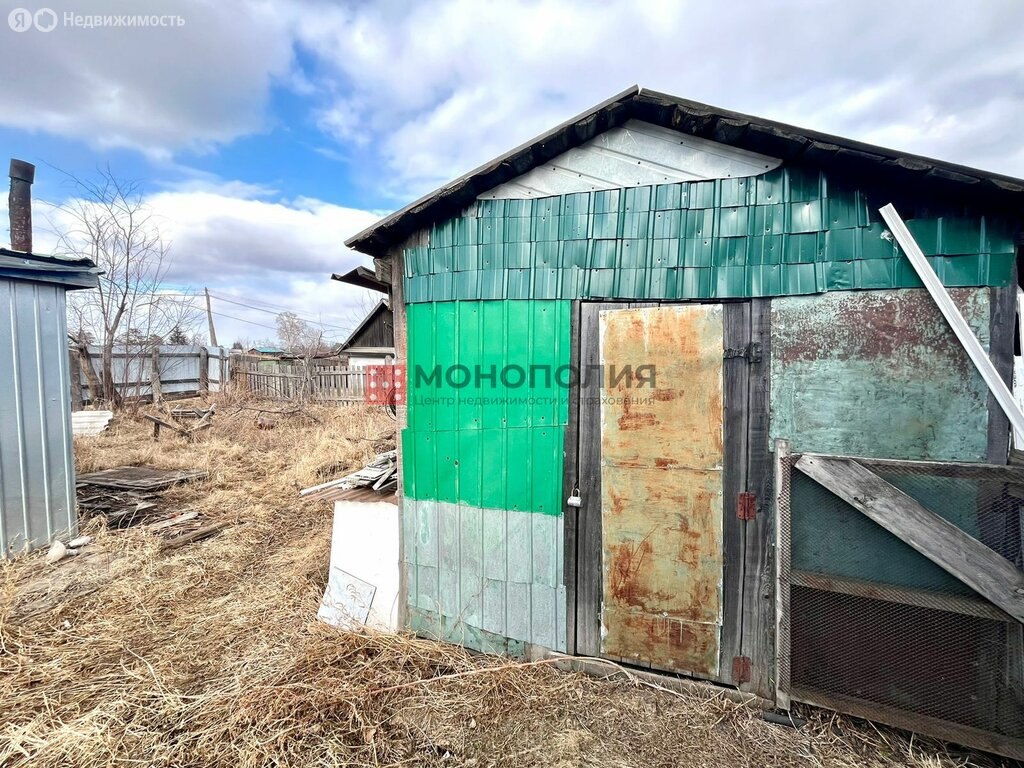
127, 496
380, 475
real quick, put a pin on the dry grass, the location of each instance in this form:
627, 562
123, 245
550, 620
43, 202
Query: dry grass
211, 655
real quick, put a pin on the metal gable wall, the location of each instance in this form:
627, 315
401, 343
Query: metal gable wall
37, 501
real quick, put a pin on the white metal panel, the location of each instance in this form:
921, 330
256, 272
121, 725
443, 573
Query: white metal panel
37, 502
363, 581
634, 154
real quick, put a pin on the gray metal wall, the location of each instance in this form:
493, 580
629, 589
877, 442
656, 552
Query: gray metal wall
37, 478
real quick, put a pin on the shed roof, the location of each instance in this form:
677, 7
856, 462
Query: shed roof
786, 142
70, 273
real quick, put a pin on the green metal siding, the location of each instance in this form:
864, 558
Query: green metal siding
790, 231
489, 443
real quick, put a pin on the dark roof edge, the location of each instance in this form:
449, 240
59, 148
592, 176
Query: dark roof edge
787, 142
362, 277
32, 267
907, 160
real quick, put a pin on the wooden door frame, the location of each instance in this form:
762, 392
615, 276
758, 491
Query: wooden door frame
747, 586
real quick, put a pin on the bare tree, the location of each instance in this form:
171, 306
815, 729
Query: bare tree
305, 342
108, 221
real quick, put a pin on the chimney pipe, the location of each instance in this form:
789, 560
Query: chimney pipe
19, 205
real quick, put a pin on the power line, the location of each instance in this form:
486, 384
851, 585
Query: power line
272, 312
305, 318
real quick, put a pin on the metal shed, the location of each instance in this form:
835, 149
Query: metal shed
37, 477
641, 348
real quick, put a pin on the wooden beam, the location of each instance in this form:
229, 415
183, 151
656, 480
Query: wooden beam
955, 319
986, 572
758, 552
921, 598
154, 376
783, 558
570, 477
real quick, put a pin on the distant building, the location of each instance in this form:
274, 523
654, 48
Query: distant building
373, 341
268, 352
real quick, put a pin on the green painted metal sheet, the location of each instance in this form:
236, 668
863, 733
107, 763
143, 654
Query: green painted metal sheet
790, 231
486, 414
878, 374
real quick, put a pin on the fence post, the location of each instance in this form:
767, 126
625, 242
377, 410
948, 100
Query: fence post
75, 374
204, 371
154, 376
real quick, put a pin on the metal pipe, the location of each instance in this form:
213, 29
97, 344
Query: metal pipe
19, 205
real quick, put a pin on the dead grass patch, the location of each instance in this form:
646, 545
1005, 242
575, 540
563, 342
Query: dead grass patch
212, 656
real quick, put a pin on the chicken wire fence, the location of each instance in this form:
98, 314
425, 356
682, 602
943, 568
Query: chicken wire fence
871, 627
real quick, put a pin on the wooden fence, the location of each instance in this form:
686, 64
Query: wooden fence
143, 374
335, 384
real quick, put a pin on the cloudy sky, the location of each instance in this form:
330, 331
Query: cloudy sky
265, 133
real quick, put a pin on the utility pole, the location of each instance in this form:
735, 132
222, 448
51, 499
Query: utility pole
209, 316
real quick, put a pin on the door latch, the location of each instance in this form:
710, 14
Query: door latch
751, 353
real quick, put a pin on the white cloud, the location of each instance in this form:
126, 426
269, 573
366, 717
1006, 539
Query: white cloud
275, 254
154, 89
451, 83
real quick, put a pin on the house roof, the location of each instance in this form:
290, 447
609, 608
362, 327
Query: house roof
268, 350
70, 273
768, 137
380, 307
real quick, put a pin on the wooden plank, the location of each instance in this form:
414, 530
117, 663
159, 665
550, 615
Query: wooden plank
343, 383
736, 393
901, 718
154, 375
75, 375
939, 601
758, 609
204, 371
589, 559
783, 565
570, 475
966, 558
949, 310
1001, 339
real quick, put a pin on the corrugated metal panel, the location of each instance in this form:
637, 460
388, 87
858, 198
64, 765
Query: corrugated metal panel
486, 416
634, 154
879, 374
787, 232
37, 500
662, 456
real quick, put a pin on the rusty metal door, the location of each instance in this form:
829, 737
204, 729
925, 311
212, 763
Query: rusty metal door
660, 459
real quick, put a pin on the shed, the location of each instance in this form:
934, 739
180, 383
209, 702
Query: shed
37, 471
631, 345
373, 340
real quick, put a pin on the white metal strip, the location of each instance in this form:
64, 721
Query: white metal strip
956, 320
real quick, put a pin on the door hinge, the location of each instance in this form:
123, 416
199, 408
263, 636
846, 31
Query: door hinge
741, 669
746, 506
751, 353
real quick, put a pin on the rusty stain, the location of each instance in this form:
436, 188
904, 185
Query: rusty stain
899, 327
662, 457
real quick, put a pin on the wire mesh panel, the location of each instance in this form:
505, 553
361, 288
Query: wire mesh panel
870, 626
